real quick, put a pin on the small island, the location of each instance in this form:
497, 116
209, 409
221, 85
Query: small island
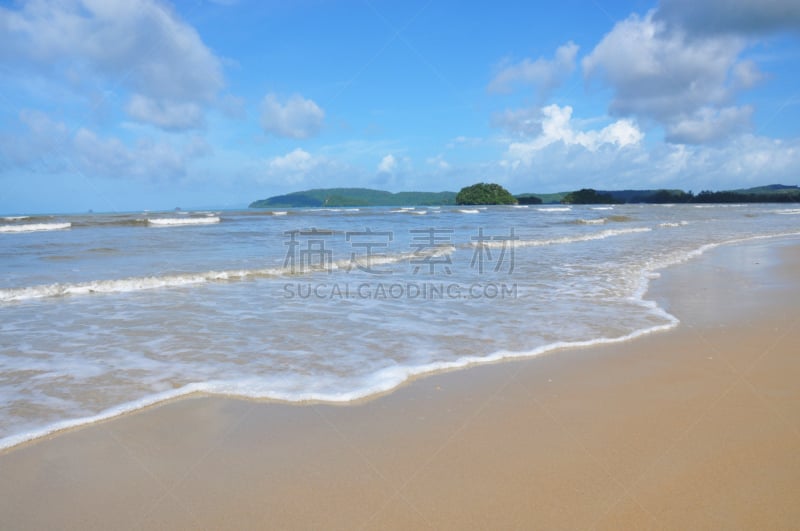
485, 194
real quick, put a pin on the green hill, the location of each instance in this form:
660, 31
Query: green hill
777, 189
358, 197
354, 197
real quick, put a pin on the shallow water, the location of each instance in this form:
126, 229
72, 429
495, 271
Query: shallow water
105, 313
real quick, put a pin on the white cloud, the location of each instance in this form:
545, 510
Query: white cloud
542, 73
45, 145
297, 161
687, 85
557, 128
744, 17
295, 118
709, 125
300, 166
746, 74
658, 73
438, 162
746, 160
140, 45
165, 114
387, 164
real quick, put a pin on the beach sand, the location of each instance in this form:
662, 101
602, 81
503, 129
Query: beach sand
697, 427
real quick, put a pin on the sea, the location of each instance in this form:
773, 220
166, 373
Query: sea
103, 314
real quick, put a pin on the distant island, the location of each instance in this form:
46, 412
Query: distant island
358, 197
355, 197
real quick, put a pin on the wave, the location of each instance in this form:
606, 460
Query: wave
603, 208
554, 209
34, 227
329, 209
610, 233
788, 211
565, 240
135, 284
15, 218
389, 378
169, 222
600, 221
469, 210
126, 222
128, 284
619, 219
671, 224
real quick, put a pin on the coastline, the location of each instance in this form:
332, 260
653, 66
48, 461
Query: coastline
696, 426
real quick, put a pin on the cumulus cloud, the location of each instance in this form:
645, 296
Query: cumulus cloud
297, 161
746, 160
297, 117
743, 17
657, 73
46, 145
557, 128
387, 164
709, 125
140, 45
544, 74
300, 166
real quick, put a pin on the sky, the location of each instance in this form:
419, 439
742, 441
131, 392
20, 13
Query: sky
123, 105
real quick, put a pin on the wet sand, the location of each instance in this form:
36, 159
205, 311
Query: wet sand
697, 427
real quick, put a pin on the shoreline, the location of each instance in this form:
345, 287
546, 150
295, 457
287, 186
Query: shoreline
196, 390
475, 446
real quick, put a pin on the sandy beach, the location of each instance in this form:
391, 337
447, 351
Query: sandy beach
694, 428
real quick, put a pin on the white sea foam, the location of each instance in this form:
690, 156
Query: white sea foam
787, 211
34, 227
598, 221
670, 224
15, 218
379, 382
554, 209
128, 284
279, 212
565, 240
170, 222
469, 210
418, 212
603, 208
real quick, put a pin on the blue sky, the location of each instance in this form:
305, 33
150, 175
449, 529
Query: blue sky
139, 104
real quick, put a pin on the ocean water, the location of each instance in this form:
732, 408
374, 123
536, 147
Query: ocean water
106, 313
